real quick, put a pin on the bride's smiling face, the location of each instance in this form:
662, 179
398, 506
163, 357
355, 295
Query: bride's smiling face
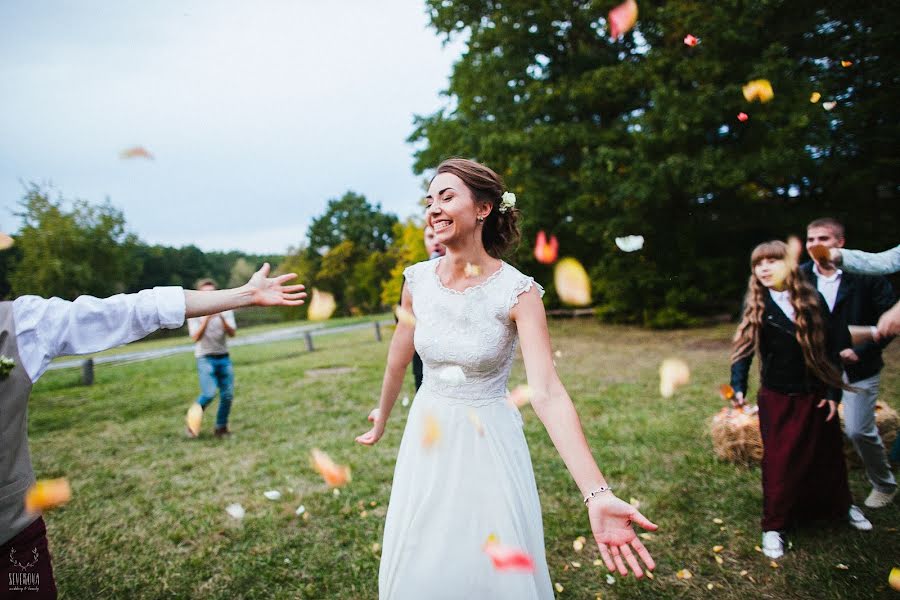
451, 210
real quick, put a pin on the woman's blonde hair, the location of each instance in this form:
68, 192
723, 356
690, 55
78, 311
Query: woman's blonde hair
809, 325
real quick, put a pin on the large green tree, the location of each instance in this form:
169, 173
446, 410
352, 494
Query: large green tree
71, 248
601, 138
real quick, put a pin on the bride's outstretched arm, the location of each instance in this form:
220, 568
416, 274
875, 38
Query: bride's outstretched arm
610, 517
399, 356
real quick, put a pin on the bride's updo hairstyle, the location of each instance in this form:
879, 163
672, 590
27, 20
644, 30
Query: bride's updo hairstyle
500, 230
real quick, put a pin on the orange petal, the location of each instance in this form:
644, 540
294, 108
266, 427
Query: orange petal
572, 283
432, 431
684, 574
335, 475
194, 418
405, 316
846, 63
622, 18
520, 396
545, 252
6, 241
476, 422
820, 253
673, 373
321, 306
507, 558
136, 152
726, 391
46, 494
795, 249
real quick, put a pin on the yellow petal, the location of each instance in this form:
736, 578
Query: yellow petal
572, 283
576, 564
634, 502
719, 559
718, 548
709, 586
47, 494
815, 97
758, 89
598, 562
773, 564
405, 316
645, 536
757, 548
559, 587
431, 431
321, 306
673, 373
578, 545
649, 574
718, 521
194, 418
684, 574
471, 270
894, 579
376, 547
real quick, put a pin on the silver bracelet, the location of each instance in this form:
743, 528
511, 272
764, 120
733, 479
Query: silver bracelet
597, 492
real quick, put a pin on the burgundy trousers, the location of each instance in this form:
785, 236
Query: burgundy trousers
804, 476
25, 565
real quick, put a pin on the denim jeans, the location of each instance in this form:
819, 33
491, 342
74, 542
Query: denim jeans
216, 374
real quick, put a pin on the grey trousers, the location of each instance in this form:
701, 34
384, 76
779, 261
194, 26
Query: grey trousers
859, 425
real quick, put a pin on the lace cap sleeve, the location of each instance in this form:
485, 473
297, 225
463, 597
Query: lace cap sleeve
523, 284
411, 275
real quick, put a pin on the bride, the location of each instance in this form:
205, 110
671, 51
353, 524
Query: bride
463, 472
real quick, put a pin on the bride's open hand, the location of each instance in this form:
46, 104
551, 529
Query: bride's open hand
611, 519
372, 436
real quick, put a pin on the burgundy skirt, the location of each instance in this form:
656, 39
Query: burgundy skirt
25, 565
804, 476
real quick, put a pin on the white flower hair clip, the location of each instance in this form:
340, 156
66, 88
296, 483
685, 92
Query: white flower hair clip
507, 201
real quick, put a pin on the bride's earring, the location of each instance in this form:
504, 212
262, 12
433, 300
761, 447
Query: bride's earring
480, 219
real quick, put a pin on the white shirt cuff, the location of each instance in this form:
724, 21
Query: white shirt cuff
170, 306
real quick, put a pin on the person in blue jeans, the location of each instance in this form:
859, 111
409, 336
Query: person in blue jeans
214, 366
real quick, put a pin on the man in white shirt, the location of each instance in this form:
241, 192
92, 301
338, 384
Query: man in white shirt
34, 331
856, 300
213, 362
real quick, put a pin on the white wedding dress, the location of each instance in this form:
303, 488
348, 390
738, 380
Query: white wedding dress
474, 476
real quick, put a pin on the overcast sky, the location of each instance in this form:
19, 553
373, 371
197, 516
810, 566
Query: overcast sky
256, 112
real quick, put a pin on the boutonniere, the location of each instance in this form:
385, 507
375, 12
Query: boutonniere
6, 365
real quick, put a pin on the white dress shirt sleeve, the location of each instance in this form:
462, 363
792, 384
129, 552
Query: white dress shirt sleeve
46, 329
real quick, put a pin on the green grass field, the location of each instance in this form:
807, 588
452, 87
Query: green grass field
147, 518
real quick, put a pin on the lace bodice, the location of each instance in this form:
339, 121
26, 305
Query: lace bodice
470, 330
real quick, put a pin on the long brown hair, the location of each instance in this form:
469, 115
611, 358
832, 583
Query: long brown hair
809, 325
500, 232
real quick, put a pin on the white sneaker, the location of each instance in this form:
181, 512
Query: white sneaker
772, 544
879, 499
858, 520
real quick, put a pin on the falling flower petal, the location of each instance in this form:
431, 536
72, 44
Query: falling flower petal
405, 316
576, 564
235, 511
815, 97
321, 306
630, 243
742, 117
506, 558
622, 18
718, 521
684, 574
610, 579
690, 40
578, 545
842, 567
572, 283
471, 270
726, 391
718, 548
558, 587
136, 152
709, 586
795, 249
598, 562
829, 105
272, 494
545, 252
757, 548
758, 89
476, 422
635, 502
773, 564
405, 401
673, 373
431, 431
820, 253
452, 375
649, 574
300, 510
335, 475
336, 492
894, 579
47, 494
520, 396
719, 559
6, 241
846, 63
743, 573
194, 418
376, 547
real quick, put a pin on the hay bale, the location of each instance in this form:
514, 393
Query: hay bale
735, 435
888, 422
